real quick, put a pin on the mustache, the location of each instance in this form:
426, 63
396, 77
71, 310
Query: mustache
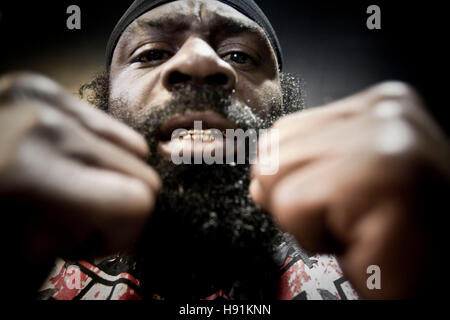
189, 97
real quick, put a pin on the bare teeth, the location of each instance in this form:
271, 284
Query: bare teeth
202, 135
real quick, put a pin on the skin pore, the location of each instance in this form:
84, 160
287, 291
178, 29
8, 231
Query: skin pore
205, 232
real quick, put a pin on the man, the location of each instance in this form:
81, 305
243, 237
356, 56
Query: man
356, 178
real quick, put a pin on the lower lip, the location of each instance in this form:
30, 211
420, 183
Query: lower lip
195, 149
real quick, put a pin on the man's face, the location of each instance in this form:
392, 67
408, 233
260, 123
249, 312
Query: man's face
200, 42
198, 60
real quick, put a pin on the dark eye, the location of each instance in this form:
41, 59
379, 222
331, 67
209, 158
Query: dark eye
237, 57
154, 56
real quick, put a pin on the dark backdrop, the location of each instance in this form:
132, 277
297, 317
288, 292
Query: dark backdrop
326, 42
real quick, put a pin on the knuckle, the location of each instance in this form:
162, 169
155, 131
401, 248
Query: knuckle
254, 172
397, 141
27, 85
265, 181
388, 109
144, 198
394, 90
52, 122
283, 121
278, 123
284, 213
100, 124
158, 183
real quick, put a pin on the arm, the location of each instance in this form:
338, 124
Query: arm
365, 178
73, 181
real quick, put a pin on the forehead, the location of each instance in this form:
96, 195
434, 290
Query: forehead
199, 15
195, 8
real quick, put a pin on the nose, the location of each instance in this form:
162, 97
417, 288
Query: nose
196, 62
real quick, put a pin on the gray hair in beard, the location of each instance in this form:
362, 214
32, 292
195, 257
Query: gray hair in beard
205, 232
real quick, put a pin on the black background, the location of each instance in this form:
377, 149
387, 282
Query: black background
325, 42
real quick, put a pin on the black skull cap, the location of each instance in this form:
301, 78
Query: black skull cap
247, 7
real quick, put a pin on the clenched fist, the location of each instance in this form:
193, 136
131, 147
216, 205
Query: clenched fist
73, 178
362, 178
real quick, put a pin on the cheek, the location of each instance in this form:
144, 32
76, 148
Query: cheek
261, 98
139, 91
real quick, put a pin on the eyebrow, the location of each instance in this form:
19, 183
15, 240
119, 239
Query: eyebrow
218, 25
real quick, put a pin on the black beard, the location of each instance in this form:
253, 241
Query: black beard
205, 232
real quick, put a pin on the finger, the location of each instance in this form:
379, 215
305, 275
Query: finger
304, 151
256, 192
300, 204
83, 145
121, 207
70, 138
294, 133
107, 127
23, 86
84, 199
52, 174
15, 122
316, 118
